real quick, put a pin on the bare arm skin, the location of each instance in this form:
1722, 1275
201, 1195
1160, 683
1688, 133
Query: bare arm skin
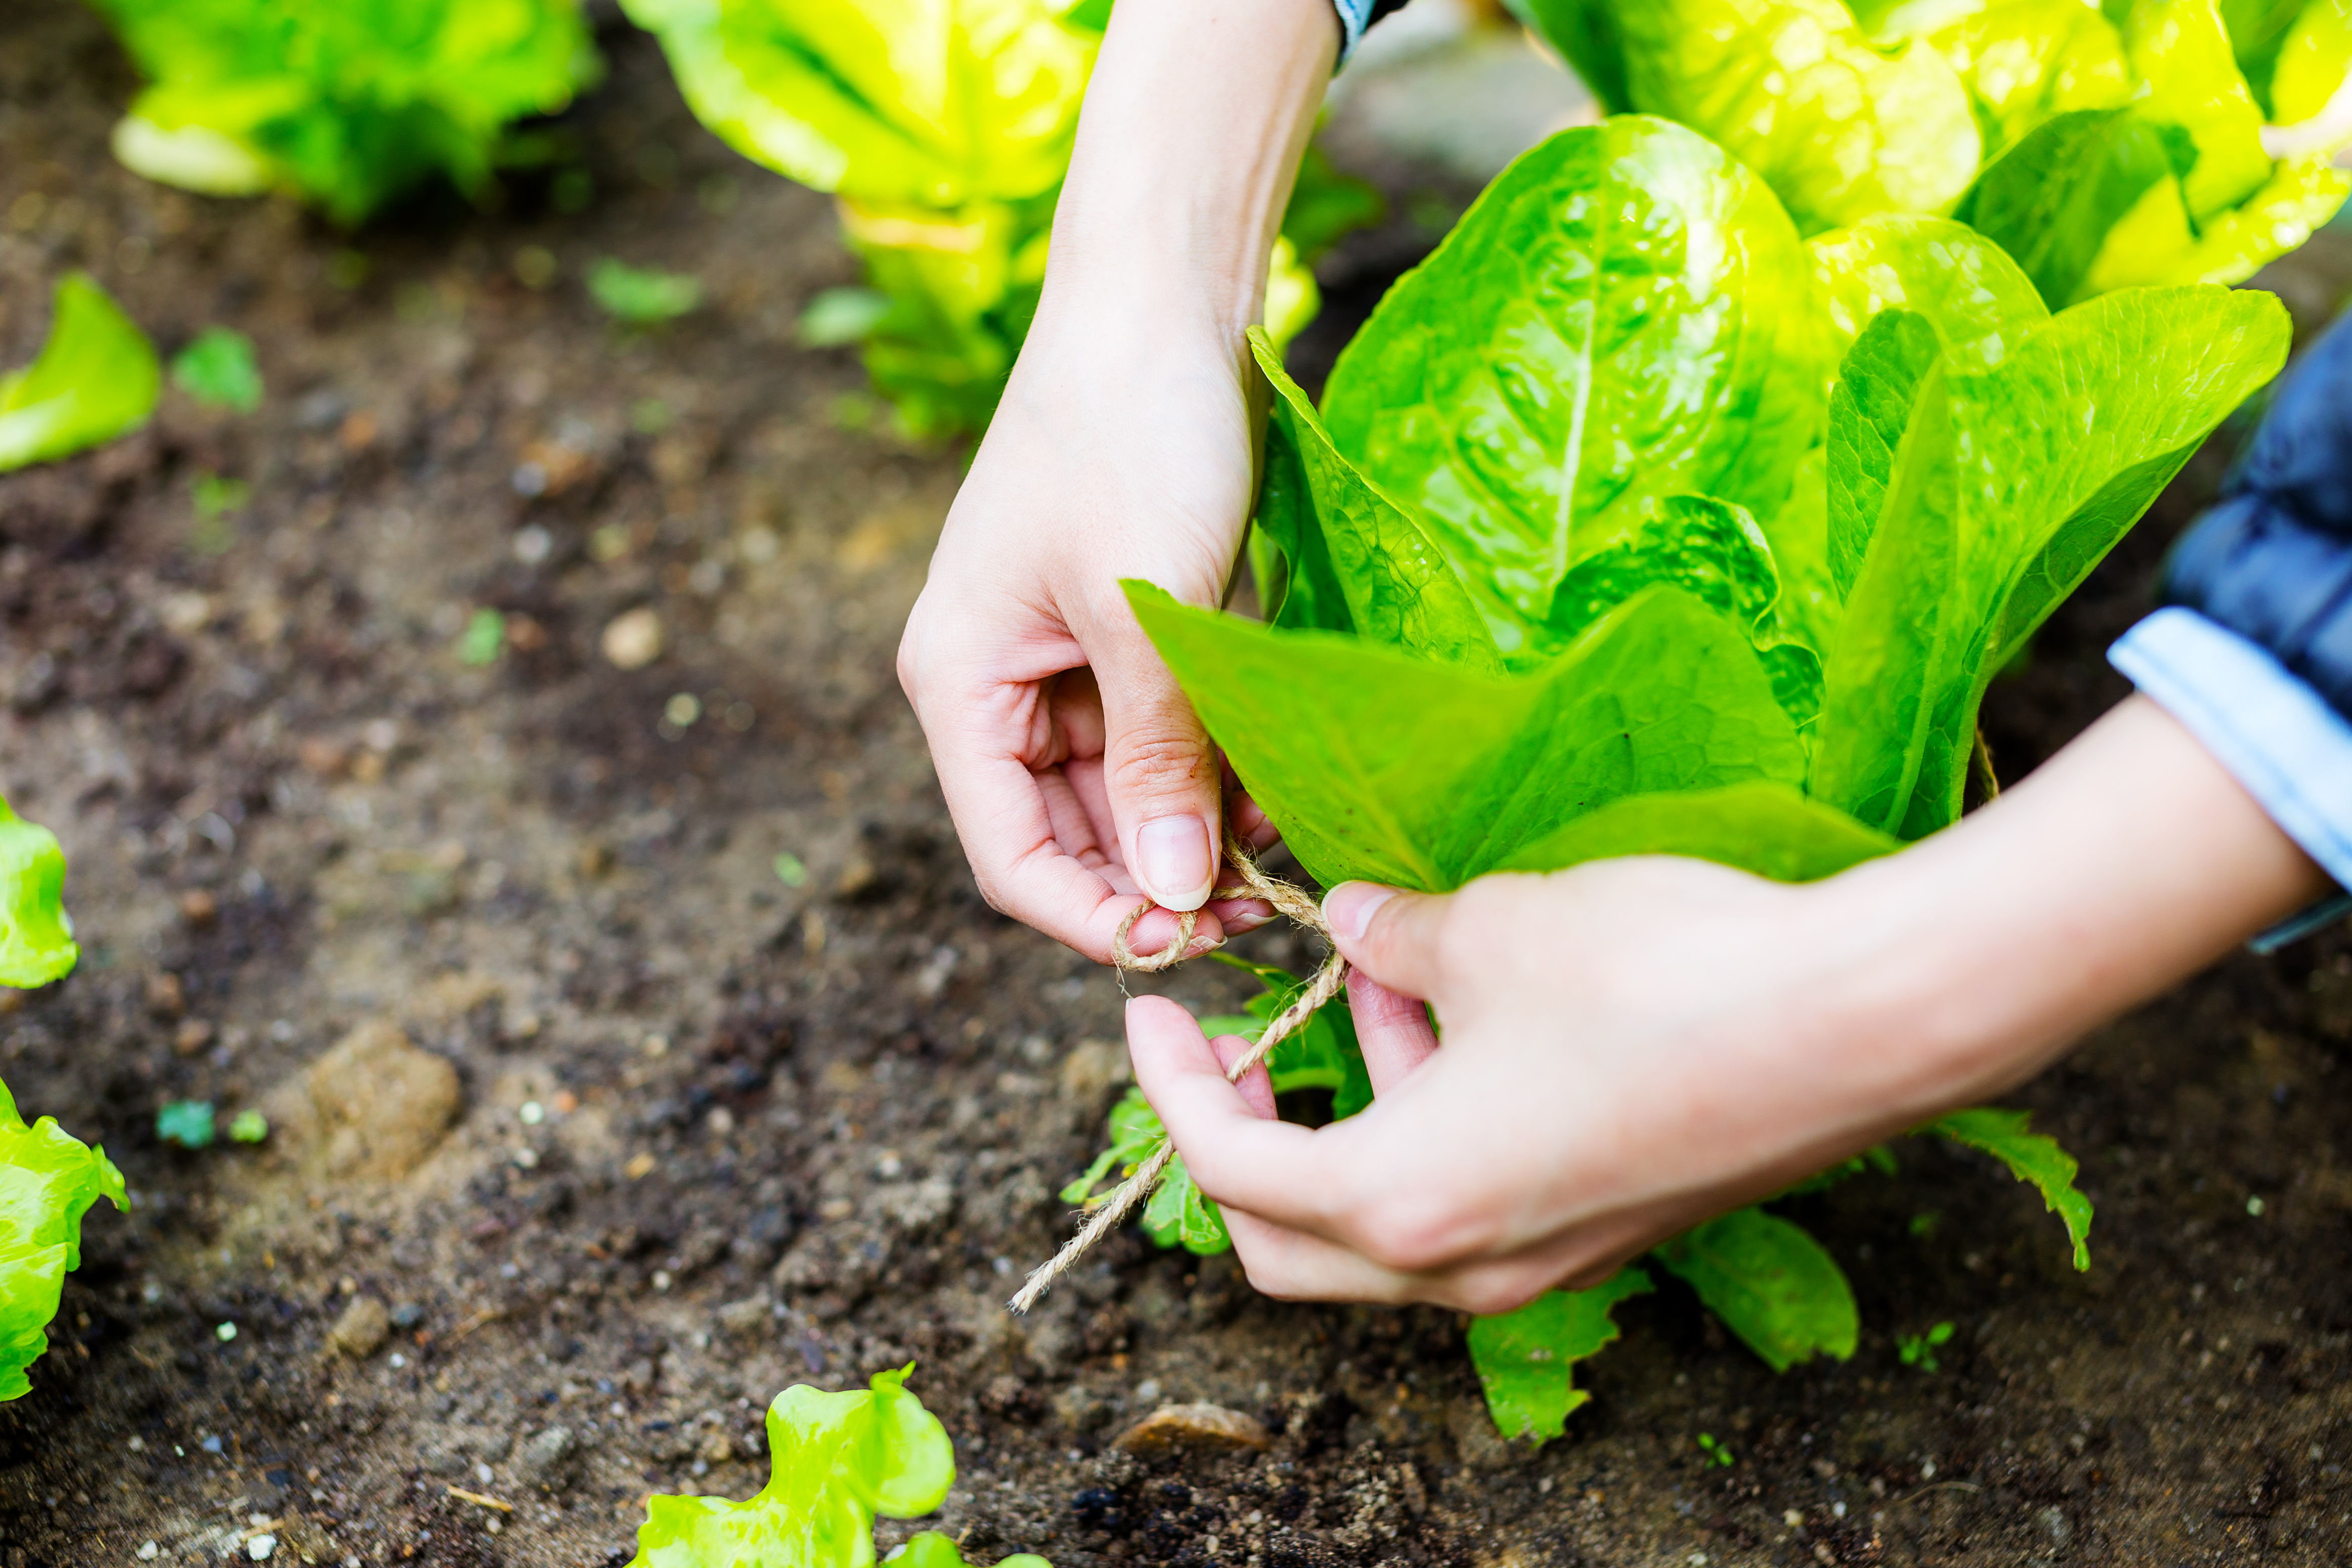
1077, 774
1632, 1047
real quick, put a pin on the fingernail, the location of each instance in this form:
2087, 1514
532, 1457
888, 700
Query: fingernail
1173, 861
1348, 908
1239, 924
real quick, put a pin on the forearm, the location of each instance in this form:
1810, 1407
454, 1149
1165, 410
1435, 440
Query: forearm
2129, 861
1194, 123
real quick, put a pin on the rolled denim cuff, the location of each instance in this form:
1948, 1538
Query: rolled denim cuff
2274, 733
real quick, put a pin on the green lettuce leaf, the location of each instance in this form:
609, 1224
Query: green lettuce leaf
350, 104
96, 378
2190, 78
2258, 32
924, 103
2027, 61
2315, 62
1391, 769
36, 944
48, 1182
2032, 1158
1770, 1283
1841, 127
2009, 486
1354, 560
1622, 316
1963, 284
839, 1460
2154, 244
1526, 1360
2055, 199
1763, 829
1877, 387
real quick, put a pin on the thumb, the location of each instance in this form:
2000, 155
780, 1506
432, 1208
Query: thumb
1159, 769
1390, 935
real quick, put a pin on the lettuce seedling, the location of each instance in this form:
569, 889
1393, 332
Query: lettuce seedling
839, 1460
96, 378
36, 944
217, 369
47, 1181
2104, 147
348, 105
1632, 523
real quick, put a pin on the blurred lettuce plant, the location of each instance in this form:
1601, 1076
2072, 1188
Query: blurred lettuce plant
96, 378
348, 104
48, 1180
943, 130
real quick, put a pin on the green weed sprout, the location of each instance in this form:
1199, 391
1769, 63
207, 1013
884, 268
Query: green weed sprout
1919, 1350
348, 105
48, 1180
248, 1126
1717, 1453
484, 638
95, 379
640, 297
839, 1462
217, 369
187, 1123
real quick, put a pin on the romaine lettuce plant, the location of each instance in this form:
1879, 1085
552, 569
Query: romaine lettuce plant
2103, 146
1632, 523
839, 1460
48, 1180
96, 378
944, 131
348, 105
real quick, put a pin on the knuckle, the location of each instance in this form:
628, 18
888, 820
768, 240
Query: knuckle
1490, 1292
1418, 1233
1161, 764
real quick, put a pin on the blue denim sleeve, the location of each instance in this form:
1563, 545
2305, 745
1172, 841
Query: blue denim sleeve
2254, 656
1355, 16
2291, 751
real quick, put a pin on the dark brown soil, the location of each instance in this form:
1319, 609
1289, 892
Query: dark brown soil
804, 1133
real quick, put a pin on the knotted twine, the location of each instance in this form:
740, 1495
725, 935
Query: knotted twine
1329, 980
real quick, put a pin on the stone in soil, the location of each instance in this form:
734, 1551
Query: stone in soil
362, 1328
372, 1107
1194, 1429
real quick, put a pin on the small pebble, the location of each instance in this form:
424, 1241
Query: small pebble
633, 639
260, 1547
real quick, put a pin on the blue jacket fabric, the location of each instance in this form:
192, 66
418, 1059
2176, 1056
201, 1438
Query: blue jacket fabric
2273, 562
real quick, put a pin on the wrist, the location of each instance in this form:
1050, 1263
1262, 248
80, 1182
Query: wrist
1195, 119
1971, 960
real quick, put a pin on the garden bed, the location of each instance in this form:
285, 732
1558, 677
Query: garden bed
716, 1127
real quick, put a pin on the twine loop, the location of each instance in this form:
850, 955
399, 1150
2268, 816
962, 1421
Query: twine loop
1108, 1212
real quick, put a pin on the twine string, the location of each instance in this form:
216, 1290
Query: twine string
1328, 983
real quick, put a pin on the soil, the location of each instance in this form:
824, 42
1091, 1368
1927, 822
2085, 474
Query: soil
592, 1131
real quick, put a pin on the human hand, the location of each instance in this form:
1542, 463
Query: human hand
1078, 776
1075, 770
1634, 1046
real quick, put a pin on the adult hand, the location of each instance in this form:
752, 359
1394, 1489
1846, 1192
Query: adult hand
1632, 1047
1079, 778
1077, 772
